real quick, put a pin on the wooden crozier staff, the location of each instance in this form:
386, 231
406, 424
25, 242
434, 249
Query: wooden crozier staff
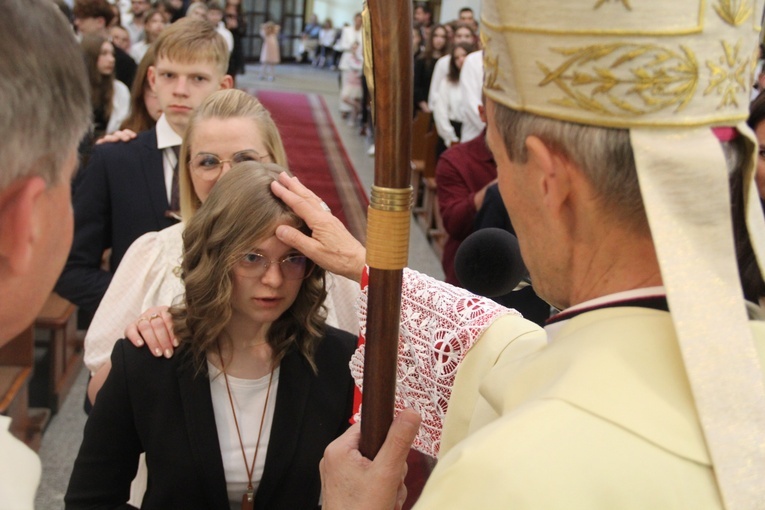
389, 22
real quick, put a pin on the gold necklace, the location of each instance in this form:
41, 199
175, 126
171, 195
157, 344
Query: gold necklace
248, 498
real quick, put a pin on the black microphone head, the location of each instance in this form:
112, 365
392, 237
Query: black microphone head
489, 263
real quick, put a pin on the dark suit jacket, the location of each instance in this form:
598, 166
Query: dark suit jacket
124, 67
158, 406
119, 196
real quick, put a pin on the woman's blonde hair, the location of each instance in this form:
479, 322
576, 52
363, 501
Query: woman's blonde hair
225, 104
240, 211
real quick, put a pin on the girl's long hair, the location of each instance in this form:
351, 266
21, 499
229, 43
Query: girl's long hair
101, 86
240, 210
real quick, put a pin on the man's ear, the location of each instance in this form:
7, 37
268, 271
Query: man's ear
227, 82
553, 172
18, 231
151, 76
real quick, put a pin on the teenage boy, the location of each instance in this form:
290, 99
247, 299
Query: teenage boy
128, 189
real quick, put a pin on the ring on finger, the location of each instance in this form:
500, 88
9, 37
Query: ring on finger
324, 206
153, 316
141, 319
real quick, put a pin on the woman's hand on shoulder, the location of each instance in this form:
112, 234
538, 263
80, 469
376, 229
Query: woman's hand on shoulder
154, 328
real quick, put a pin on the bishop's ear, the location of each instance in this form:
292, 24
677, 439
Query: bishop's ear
552, 171
18, 231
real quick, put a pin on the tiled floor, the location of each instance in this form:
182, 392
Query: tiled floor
64, 434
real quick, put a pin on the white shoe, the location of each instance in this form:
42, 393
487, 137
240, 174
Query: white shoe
371, 150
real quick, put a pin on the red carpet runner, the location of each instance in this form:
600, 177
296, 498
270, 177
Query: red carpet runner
316, 155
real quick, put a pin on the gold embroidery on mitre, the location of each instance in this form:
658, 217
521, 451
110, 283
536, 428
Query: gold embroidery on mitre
490, 64
730, 77
634, 79
734, 12
626, 4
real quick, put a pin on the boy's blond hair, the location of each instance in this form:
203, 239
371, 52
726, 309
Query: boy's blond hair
190, 40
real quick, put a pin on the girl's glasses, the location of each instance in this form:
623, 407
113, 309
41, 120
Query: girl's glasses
293, 267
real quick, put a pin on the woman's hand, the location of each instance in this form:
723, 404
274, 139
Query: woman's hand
154, 328
331, 245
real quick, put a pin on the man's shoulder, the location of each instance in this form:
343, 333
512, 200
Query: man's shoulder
118, 151
554, 455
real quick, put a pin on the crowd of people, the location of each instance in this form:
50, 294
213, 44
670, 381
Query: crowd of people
232, 281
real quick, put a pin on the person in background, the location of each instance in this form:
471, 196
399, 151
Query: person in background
120, 37
46, 114
436, 47
418, 46
270, 55
466, 16
138, 10
463, 173
260, 384
145, 109
235, 22
350, 36
198, 11
447, 112
94, 17
327, 37
352, 92
310, 40
423, 17
471, 88
154, 24
462, 34
110, 98
215, 15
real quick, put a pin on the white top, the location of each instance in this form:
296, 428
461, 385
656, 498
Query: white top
348, 37
136, 32
447, 106
226, 33
120, 106
167, 138
471, 85
138, 50
149, 275
440, 70
20, 471
327, 36
249, 396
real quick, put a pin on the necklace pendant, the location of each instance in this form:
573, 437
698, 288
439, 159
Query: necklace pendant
248, 500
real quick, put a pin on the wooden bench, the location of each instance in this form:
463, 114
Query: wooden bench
16, 362
56, 329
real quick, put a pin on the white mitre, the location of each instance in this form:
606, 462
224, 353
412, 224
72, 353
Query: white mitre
667, 70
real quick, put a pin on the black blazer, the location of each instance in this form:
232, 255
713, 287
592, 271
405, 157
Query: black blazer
158, 406
119, 196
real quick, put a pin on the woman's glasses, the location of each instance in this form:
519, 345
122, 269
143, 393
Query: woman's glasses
208, 166
293, 267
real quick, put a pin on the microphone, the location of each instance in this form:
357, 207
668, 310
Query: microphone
489, 263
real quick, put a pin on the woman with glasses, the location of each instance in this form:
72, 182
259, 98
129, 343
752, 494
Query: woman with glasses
230, 126
258, 388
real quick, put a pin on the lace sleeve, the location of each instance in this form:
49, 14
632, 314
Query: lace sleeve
439, 324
